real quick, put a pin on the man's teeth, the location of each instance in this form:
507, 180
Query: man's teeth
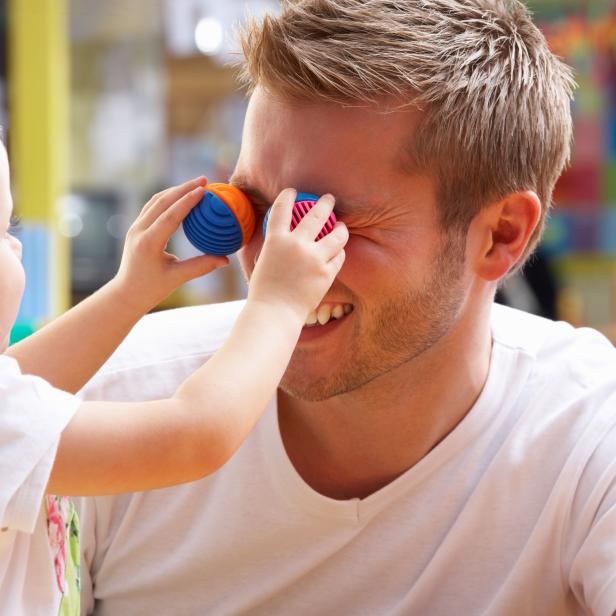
312, 318
324, 313
338, 311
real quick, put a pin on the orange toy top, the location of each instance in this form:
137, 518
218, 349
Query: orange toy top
239, 204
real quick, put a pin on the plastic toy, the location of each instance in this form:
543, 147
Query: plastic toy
303, 204
224, 220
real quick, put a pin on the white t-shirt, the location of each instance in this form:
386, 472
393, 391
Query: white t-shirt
35, 532
513, 513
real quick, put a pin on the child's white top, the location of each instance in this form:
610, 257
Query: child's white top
33, 561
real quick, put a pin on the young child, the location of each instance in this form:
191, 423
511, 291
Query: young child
52, 443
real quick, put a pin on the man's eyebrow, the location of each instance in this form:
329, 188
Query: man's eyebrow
348, 207
343, 206
248, 189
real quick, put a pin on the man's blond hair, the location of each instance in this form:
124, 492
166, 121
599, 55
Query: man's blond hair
495, 100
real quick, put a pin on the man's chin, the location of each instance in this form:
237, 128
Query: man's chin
309, 383
308, 391
312, 387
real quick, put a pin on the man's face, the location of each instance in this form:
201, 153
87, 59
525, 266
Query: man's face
402, 274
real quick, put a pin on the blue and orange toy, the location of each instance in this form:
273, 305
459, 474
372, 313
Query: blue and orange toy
224, 220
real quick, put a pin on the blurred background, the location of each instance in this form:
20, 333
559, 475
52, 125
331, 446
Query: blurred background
105, 103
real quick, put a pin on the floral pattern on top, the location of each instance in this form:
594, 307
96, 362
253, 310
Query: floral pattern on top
63, 531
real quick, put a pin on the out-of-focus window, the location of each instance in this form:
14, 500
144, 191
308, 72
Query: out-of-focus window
579, 247
154, 102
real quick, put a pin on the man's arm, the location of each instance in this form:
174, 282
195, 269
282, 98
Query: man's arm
590, 539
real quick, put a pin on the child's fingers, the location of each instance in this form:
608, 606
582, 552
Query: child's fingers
167, 223
198, 266
157, 196
281, 211
332, 243
147, 206
165, 199
314, 220
335, 264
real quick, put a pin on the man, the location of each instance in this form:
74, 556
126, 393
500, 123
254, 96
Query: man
428, 452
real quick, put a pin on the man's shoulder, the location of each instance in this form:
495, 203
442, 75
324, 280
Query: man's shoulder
566, 410
557, 348
178, 333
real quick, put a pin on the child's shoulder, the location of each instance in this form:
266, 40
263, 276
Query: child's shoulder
27, 398
9, 368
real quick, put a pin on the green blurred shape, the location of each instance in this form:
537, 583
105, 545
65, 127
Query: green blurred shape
608, 182
21, 331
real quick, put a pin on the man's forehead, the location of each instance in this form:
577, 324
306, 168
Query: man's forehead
342, 137
382, 106
357, 154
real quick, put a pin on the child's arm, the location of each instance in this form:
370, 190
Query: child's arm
69, 350
117, 447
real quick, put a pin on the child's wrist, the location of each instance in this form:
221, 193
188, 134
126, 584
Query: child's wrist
124, 298
280, 311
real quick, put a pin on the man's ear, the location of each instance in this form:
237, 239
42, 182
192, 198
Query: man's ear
502, 232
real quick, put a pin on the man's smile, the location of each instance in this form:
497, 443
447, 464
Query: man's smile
327, 311
327, 318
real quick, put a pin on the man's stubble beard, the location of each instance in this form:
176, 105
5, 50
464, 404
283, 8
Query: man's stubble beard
400, 330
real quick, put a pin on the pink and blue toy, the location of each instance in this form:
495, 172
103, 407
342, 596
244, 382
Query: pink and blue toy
304, 202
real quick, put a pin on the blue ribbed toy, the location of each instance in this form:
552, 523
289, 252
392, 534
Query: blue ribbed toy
222, 222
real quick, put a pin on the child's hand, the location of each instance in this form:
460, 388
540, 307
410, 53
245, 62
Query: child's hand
293, 270
147, 273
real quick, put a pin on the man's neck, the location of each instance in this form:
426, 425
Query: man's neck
354, 444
